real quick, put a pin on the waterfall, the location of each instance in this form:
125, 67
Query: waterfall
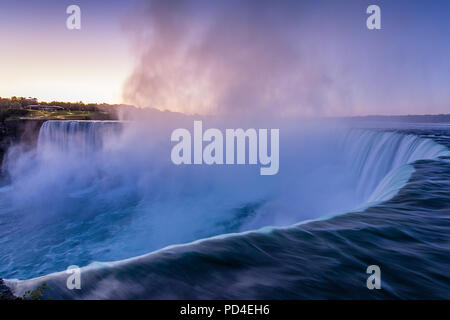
374, 156
380, 159
81, 136
98, 199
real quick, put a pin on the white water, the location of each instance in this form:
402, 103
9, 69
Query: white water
381, 159
368, 166
95, 193
73, 136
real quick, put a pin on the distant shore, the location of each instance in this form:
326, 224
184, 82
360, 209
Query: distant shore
425, 118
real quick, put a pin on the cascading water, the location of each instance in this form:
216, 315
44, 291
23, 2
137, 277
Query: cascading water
376, 155
84, 136
123, 198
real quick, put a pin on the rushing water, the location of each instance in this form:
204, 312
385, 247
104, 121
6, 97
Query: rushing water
353, 198
83, 136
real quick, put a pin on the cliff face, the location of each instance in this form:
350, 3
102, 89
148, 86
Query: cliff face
18, 131
5, 292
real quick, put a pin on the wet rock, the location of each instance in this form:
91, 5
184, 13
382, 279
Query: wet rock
5, 292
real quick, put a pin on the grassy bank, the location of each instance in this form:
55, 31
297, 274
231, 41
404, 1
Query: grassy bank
60, 115
27, 108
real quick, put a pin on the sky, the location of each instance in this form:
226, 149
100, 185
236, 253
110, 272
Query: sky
41, 58
307, 58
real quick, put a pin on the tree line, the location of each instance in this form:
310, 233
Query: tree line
22, 103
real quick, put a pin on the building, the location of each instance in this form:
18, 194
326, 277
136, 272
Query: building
44, 107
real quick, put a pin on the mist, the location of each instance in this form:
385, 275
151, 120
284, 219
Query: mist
229, 58
261, 59
88, 201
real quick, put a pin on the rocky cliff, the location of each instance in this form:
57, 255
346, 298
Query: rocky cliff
25, 132
5, 292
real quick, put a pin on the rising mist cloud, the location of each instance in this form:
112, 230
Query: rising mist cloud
313, 58
231, 57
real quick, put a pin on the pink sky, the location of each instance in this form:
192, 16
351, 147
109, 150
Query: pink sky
292, 57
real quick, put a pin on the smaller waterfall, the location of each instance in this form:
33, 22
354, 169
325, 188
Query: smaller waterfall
81, 136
